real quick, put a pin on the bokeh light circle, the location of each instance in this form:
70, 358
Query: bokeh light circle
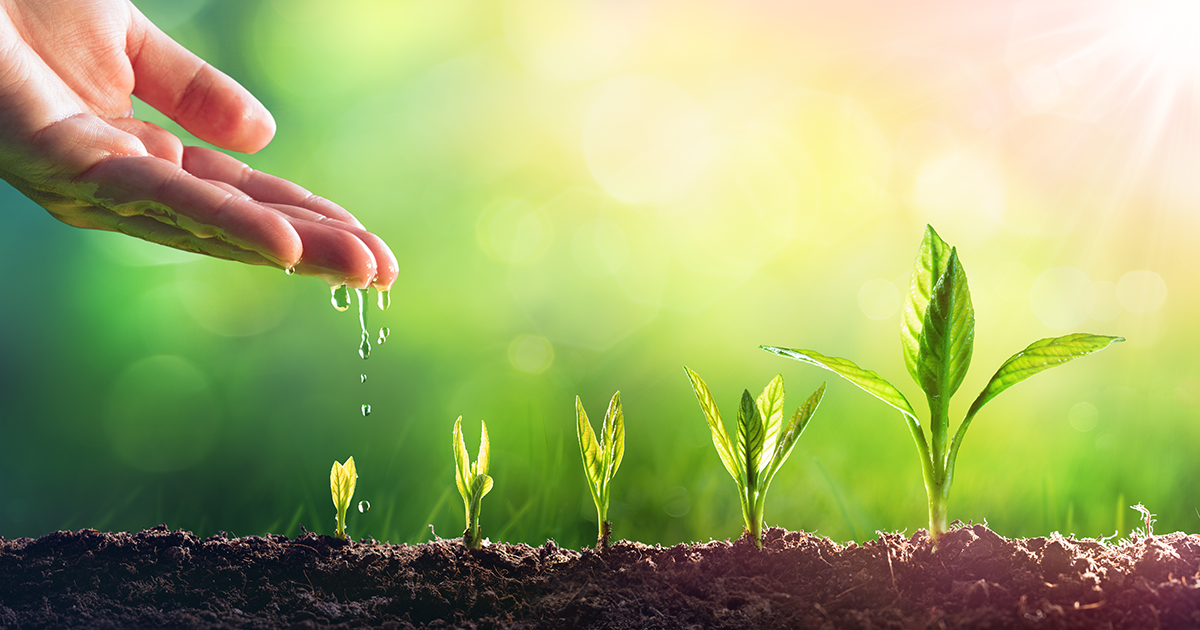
513, 231
161, 415
573, 40
645, 140
878, 298
1059, 297
600, 247
1083, 417
531, 353
232, 300
1141, 291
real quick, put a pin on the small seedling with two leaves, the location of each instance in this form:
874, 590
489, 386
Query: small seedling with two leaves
937, 334
601, 458
341, 484
763, 443
473, 481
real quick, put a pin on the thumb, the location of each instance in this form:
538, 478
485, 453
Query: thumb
204, 100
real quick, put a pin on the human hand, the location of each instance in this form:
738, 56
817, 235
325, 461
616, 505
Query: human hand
69, 142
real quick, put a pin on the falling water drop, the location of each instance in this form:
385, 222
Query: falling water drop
385, 300
364, 506
363, 377
364, 349
340, 298
289, 270
366, 410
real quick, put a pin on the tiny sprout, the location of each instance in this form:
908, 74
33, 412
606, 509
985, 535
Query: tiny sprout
364, 506
341, 484
1147, 518
472, 480
762, 443
601, 458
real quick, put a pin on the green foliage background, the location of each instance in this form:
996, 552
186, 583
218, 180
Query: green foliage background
140, 386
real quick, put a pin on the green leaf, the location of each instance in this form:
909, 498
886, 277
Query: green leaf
719, 437
791, 434
462, 462
614, 432
589, 449
770, 408
947, 336
930, 265
481, 486
485, 451
1041, 355
867, 380
750, 438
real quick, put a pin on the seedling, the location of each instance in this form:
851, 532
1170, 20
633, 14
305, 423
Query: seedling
762, 444
341, 484
473, 481
1147, 518
937, 335
601, 458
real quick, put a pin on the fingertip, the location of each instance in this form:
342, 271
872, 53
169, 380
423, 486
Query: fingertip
257, 128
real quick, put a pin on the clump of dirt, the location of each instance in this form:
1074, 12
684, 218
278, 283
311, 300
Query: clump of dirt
976, 579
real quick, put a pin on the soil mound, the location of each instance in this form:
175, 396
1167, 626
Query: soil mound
158, 578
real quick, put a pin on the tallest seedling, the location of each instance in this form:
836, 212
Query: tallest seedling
938, 333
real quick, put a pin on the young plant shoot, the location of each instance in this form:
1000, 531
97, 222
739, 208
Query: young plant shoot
937, 334
473, 481
762, 444
601, 458
341, 484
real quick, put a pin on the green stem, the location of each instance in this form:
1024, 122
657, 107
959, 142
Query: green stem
471, 537
752, 509
604, 526
937, 485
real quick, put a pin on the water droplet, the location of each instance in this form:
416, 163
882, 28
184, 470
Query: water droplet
384, 332
385, 300
364, 349
363, 377
366, 410
289, 270
340, 298
363, 506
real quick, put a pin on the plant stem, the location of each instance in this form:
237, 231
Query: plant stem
937, 484
605, 534
754, 522
939, 494
471, 537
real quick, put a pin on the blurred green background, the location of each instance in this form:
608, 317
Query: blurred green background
587, 196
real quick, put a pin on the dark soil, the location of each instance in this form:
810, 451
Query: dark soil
976, 579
